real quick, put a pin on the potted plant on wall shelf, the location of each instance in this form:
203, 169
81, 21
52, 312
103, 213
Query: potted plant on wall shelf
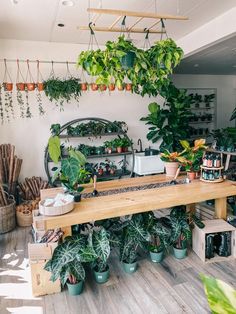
100, 243
67, 261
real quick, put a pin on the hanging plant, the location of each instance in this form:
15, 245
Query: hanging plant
39, 88
21, 103
8, 105
1, 106
30, 84
28, 113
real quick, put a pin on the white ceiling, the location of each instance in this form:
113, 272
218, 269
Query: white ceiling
218, 59
37, 19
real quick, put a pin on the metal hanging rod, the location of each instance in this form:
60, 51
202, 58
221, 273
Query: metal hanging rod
36, 61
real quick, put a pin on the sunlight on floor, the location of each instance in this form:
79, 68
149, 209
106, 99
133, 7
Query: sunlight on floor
26, 310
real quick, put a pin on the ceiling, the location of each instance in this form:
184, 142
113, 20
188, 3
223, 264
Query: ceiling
37, 19
218, 59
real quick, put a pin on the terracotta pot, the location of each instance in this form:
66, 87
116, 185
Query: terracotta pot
20, 86
102, 87
40, 87
120, 88
109, 150
191, 175
119, 149
171, 168
128, 86
8, 86
94, 86
30, 86
112, 171
111, 87
84, 86
100, 172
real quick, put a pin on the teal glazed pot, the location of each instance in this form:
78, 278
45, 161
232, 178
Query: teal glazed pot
130, 268
75, 289
180, 253
157, 257
101, 277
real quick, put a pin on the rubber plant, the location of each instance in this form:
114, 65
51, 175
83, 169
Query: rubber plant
67, 262
62, 90
170, 123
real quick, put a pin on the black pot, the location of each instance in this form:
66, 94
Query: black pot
77, 197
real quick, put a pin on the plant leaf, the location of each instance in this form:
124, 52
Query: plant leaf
54, 149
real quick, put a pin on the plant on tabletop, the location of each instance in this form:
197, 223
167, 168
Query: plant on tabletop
67, 262
172, 161
193, 156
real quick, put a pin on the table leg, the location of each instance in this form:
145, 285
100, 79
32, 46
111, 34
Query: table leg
67, 232
221, 208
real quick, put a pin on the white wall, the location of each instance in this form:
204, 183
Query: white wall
30, 136
226, 91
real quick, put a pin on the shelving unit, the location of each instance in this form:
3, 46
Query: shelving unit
120, 133
203, 128
212, 226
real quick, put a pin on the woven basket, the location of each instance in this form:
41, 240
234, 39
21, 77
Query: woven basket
24, 218
8, 217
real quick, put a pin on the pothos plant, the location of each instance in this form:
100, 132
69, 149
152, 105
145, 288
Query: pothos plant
62, 90
169, 123
148, 71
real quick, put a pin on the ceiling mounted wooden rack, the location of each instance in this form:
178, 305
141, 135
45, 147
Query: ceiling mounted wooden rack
123, 13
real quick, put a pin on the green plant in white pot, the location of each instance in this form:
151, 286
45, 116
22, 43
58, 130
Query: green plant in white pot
100, 242
67, 261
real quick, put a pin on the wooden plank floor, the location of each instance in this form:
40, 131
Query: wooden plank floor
170, 287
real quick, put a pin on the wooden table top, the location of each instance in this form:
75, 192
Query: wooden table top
127, 203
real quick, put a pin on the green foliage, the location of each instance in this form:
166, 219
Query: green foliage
68, 258
148, 70
54, 148
100, 242
62, 90
169, 124
193, 155
233, 116
221, 297
55, 129
225, 138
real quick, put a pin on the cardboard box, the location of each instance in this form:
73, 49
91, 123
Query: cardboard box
39, 254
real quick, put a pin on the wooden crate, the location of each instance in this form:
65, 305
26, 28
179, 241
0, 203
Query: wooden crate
212, 226
39, 254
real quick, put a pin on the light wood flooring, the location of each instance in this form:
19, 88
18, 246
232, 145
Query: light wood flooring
170, 287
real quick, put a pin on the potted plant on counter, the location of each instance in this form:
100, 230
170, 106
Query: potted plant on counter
67, 261
100, 242
180, 222
193, 156
172, 162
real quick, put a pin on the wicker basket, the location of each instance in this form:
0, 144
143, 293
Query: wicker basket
24, 218
8, 217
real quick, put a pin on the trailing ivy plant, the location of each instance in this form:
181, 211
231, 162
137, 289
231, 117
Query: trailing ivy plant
8, 105
170, 123
1, 106
28, 113
40, 103
62, 91
20, 102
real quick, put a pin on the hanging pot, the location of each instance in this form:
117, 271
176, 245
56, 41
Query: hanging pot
40, 87
102, 87
30, 86
8, 87
20, 86
127, 61
84, 87
94, 87
111, 87
128, 87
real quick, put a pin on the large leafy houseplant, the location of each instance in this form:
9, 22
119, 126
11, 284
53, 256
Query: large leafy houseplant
67, 261
180, 222
169, 124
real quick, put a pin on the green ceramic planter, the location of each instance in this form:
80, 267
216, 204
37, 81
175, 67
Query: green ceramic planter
180, 253
157, 257
75, 289
101, 277
130, 268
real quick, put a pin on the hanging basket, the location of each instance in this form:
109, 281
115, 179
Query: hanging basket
8, 217
127, 61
